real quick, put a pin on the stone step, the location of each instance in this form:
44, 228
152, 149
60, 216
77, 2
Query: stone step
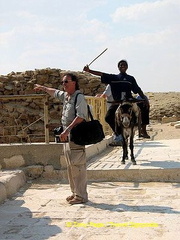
10, 182
171, 175
135, 175
157, 161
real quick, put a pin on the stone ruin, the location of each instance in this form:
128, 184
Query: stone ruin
17, 115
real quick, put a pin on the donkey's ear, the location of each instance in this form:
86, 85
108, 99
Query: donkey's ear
121, 108
130, 111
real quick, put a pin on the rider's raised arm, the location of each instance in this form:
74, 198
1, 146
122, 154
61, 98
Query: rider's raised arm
87, 69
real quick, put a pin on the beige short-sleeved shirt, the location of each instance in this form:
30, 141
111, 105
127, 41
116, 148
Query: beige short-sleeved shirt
69, 112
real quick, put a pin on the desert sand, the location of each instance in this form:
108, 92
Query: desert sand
164, 104
163, 131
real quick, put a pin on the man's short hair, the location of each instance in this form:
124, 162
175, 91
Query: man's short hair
122, 61
73, 78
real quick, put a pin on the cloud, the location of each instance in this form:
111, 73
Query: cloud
5, 38
166, 37
161, 12
69, 34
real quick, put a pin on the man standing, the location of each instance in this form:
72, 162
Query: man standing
117, 140
122, 85
107, 94
71, 116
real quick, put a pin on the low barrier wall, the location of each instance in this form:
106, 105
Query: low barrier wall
41, 159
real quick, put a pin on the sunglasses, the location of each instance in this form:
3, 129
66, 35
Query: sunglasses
66, 81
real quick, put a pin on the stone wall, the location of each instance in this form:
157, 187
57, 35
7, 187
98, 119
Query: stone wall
41, 159
23, 82
19, 114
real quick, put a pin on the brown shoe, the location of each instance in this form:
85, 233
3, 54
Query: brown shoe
77, 200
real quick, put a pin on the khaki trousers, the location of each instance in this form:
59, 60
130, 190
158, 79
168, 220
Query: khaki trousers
76, 168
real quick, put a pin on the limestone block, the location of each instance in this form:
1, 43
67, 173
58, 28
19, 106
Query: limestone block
169, 119
14, 162
174, 123
63, 162
9, 87
48, 169
3, 194
12, 181
177, 125
49, 172
34, 171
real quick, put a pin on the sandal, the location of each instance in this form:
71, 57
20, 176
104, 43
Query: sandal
77, 200
69, 198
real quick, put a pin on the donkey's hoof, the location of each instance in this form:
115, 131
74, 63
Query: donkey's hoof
123, 161
133, 162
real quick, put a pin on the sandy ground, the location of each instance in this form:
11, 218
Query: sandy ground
163, 131
163, 104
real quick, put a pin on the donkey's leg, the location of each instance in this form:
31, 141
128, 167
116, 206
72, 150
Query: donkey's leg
132, 149
125, 151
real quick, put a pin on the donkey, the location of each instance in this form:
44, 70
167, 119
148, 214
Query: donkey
127, 121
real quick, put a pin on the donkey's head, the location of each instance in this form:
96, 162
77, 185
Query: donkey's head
124, 114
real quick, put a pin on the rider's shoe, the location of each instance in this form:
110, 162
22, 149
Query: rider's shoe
118, 140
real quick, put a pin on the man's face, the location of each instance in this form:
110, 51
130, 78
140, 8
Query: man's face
68, 84
123, 67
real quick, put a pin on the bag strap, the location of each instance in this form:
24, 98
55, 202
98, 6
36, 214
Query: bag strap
88, 107
89, 113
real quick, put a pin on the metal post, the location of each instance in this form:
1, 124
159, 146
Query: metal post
46, 129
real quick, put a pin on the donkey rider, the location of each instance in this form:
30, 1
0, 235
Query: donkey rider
122, 86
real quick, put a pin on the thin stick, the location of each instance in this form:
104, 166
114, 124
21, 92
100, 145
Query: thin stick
97, 57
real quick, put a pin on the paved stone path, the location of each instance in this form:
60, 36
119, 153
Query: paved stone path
116, 210
130, 210
156, 161
148, 154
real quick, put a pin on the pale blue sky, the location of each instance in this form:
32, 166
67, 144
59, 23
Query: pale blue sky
68, 34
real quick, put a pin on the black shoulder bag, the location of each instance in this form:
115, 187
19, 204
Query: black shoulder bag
87, 132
